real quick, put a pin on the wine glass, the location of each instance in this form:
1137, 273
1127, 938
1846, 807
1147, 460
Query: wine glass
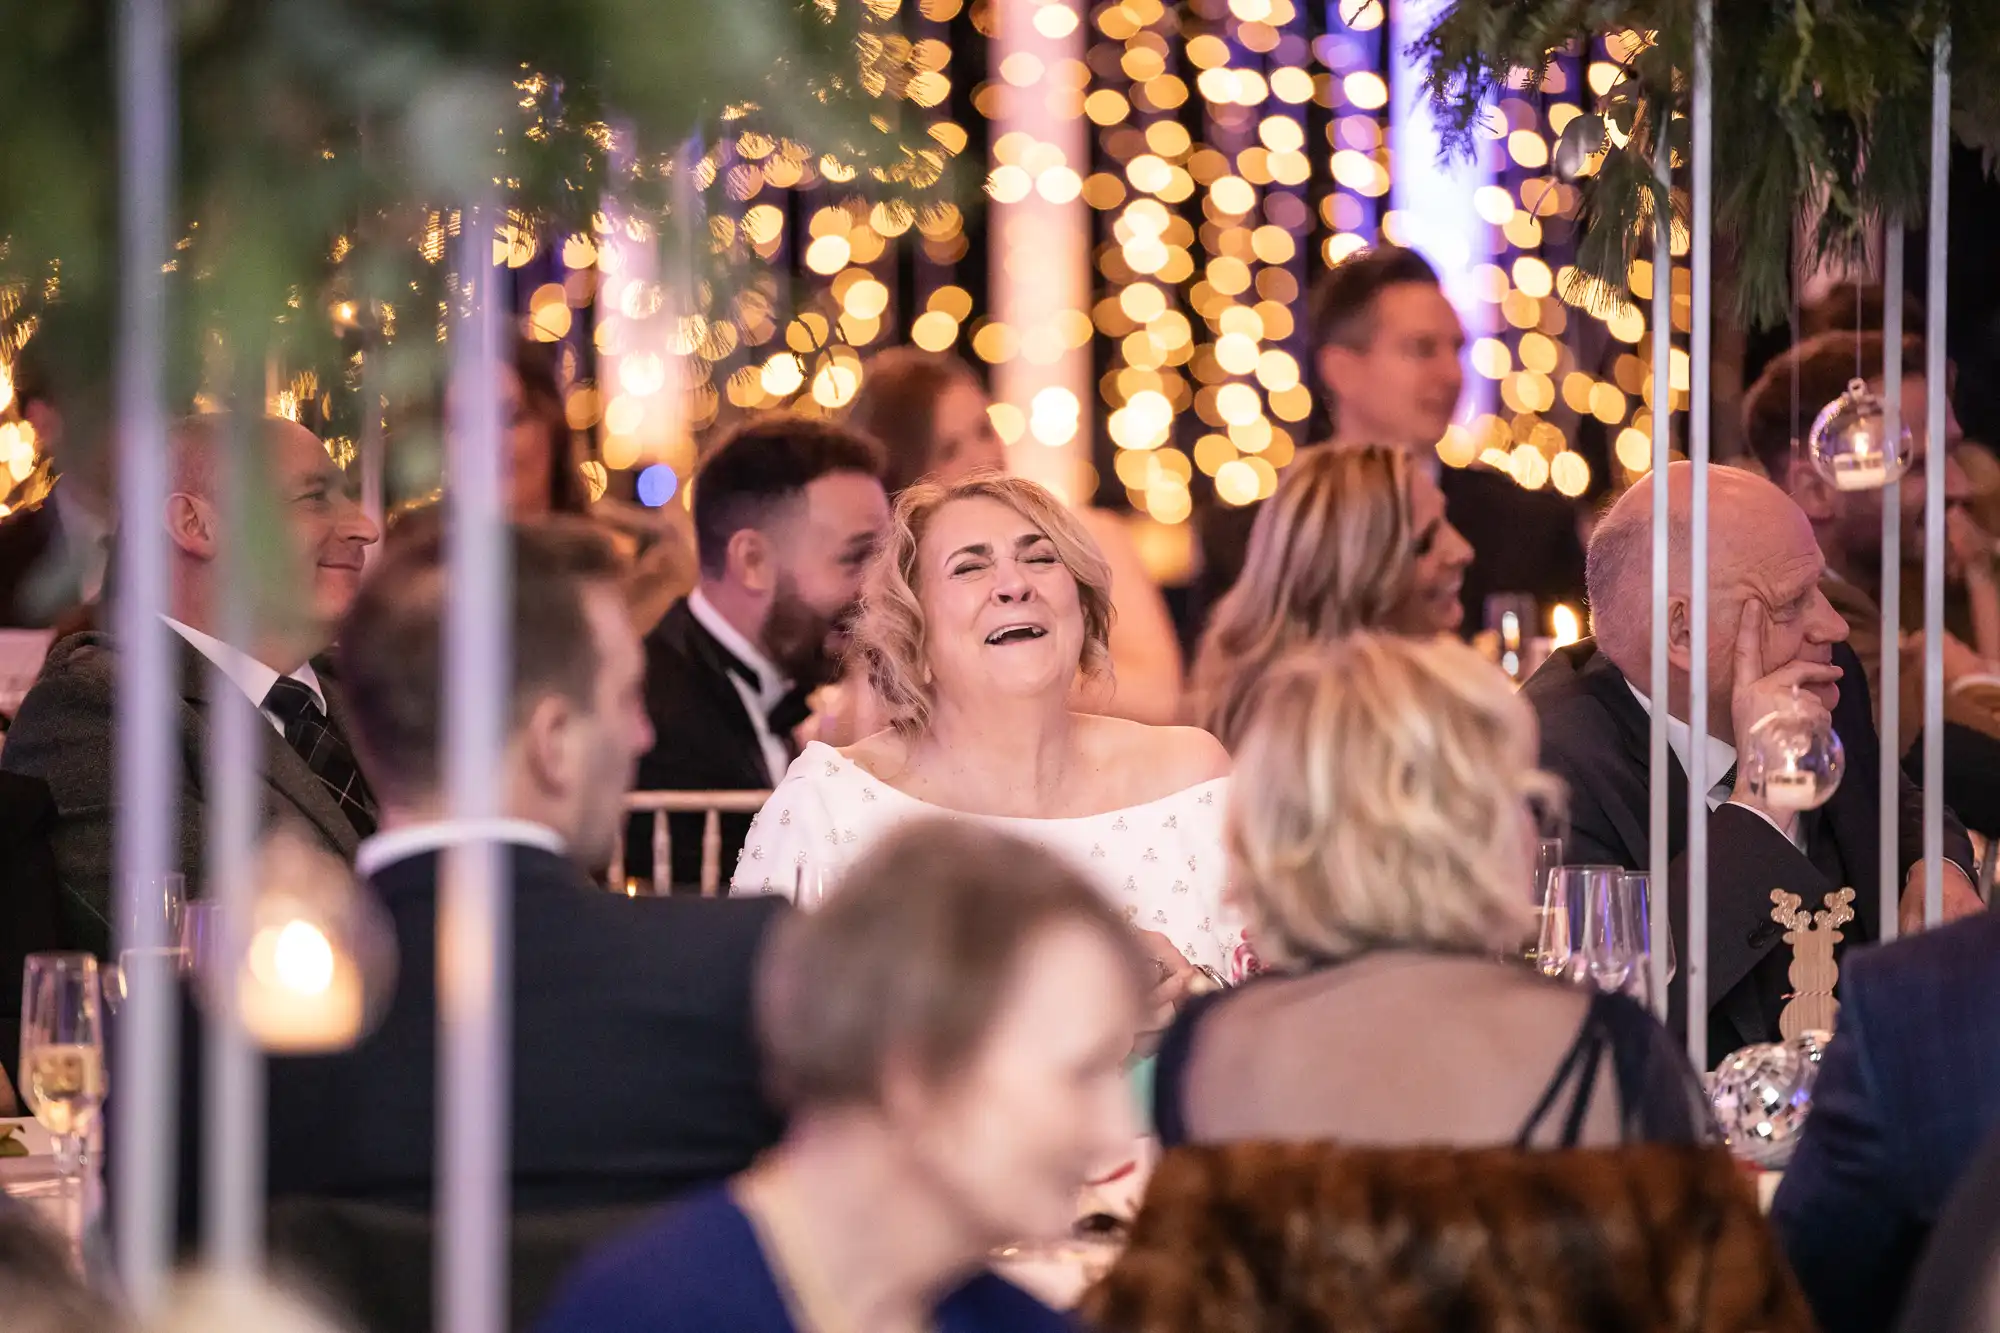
1636, 888
1611, 943
1554, 945
62, 1050
173, 906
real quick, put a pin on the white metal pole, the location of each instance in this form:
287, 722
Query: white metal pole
1937, 244
144, 1132
1663, 403
474, 914
1889, 705
233, 1120
1702, 297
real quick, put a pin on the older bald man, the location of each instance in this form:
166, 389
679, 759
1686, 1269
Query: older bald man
306, 578
1771, 634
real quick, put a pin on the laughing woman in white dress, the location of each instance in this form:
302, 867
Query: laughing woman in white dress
984, 607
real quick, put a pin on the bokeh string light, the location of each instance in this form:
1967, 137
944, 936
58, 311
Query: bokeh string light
1237, 147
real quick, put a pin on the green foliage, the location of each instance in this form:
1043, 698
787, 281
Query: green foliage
1814, 100
318, 141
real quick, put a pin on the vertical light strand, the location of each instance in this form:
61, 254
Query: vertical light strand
1701, 283
143, 1138
474, 966
1432, 195
1886, 708
1039, 260
1658, 859
233, 1109
1937, 244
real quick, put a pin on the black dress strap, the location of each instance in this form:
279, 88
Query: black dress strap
1170, 1068
1577, 1073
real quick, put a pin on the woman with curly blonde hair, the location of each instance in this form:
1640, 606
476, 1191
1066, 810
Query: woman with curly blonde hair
1385, 867
1354, 539
985, 607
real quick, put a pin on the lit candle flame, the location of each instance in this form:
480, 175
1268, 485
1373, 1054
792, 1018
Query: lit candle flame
1568, 629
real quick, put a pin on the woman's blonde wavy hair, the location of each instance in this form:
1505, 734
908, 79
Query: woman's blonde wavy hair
1332, 552
1383, 790
890, 638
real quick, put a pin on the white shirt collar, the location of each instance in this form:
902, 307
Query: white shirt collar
400, 844
771, 682
251, 676
1721, 754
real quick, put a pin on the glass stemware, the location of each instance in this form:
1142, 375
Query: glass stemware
1637, 890
62, 1050
1612, 948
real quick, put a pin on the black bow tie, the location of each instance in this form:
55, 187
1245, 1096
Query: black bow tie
787, 713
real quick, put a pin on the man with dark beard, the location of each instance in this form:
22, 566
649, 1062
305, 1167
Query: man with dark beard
787, 512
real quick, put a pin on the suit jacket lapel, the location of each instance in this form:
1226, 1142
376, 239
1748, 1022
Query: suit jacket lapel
292, 786
1607, 684
714, 660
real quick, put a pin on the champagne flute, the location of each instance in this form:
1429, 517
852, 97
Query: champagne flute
62, 1050
1637, 891
174, 909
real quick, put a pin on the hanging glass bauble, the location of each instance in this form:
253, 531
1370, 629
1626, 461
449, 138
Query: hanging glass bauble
1792, 760
1850, 442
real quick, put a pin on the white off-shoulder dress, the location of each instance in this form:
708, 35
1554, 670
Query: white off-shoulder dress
1161, 862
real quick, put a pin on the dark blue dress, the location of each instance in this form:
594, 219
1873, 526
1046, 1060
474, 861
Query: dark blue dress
699, 1269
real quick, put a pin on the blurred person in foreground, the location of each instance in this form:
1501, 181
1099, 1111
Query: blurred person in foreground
949, 1038
1355, 539
787, 513
1774, 641
1848, 526
1386, 347
930, 412
40, 1291
1386, 869
63, 733
634, 1072
985, 607
1908, 1093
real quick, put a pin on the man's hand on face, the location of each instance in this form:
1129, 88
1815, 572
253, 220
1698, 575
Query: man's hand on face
1756, 693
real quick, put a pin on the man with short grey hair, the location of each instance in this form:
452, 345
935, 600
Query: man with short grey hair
1773, 641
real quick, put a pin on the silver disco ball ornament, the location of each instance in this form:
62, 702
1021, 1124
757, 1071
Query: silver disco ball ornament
1791, 760
1850, 442
1762, 1094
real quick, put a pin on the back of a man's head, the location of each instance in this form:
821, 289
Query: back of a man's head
1812, 374
764, 466
391, 645
1343, 301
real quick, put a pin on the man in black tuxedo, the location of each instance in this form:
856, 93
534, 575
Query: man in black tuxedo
1387, 347
1773, 641
63, 731
635, 1072
787, 513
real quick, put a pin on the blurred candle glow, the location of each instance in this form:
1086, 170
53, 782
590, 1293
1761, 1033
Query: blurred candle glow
1568, 628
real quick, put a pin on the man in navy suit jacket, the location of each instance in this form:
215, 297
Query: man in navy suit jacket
1909, 1091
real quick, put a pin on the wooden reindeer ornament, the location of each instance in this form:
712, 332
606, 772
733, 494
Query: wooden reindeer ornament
1812, 936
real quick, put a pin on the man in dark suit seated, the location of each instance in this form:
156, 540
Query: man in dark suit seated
787, 513
635, 1072
1908, 1094
1773, 641
63, 731
1848, 525
1387, 349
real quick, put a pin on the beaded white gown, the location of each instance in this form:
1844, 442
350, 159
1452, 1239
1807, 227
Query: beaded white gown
1162, 862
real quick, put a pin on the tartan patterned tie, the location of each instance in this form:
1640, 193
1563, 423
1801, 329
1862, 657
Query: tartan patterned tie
308, 732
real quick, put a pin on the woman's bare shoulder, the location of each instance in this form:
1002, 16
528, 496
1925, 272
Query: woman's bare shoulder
881, 755
1178, 757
